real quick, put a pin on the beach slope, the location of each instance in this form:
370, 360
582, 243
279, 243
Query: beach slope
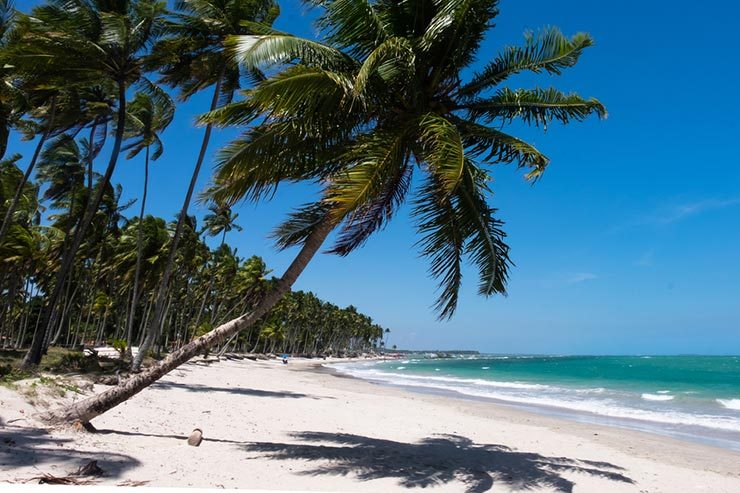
302, 427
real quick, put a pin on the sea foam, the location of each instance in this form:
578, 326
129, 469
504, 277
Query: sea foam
730, 403
657, 397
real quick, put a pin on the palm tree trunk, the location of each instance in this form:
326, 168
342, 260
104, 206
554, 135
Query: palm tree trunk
33, 357
88, 409
91, 156
154, 323
19, 191
139, 247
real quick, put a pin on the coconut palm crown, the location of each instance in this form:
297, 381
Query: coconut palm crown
382, 98
191, 58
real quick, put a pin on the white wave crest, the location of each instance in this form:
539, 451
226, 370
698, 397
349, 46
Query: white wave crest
730, 403
657, 397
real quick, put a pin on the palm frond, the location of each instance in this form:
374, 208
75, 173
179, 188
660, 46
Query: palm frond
252, 166
300, 224
441, 241
494, 146
353, 25
319, 96
390, 60
443, 150
549, 51
459, 225
537, 106
269, 50
240, 113
485, 240
376, 213
368, 166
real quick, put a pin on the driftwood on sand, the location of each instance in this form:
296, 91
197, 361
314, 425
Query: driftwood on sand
195, 437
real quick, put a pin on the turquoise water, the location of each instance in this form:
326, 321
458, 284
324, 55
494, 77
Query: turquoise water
694, 397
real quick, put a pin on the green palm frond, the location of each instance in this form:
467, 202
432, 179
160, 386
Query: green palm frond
549, 51
392, 59
495, 146
458, 225
376, 213
301, 89
442, 242
252, 166
300, 224
240, 113
353, 25
537, 106
317, 94
450, 16
485, 240
269, 50
368, 166
442, 150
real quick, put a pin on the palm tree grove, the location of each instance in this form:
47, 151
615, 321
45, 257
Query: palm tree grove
392, 106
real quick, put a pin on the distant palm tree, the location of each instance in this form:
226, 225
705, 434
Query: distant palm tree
192, 59
384, 97
84, 42
221, 220
147, 118
62, 170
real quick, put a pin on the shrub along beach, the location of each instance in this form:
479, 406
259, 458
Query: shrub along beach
143, 350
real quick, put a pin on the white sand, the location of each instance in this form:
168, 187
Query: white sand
271, 426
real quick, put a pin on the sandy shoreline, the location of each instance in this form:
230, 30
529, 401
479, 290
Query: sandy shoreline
303, 427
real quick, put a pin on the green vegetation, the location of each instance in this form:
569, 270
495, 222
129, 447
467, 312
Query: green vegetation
76, 268
380, 112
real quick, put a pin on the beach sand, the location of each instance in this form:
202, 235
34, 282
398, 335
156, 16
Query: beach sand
301, 427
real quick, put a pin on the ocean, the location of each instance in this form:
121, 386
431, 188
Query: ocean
690, 397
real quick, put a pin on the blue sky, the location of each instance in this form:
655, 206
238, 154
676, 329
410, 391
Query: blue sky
628, 244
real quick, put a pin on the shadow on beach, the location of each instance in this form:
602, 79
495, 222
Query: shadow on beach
33, 447
434, 461
191, 387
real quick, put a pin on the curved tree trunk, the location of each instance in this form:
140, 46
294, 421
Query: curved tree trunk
153, 329
8, 219
88, 409
33, 357
139, 247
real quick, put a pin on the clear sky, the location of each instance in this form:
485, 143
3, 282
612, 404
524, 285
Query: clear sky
629, 244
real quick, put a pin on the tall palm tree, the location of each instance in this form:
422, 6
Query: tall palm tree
383, 97
86, 42
221, 220
46, 114
192, 59
11, 99
62, 169
147, 118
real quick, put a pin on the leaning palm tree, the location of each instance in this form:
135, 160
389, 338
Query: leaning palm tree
85, 42
383, 98
192, 59
147, 118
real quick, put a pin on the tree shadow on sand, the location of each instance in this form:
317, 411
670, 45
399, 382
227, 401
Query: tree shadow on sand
192, 387
33, 447
436, 460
